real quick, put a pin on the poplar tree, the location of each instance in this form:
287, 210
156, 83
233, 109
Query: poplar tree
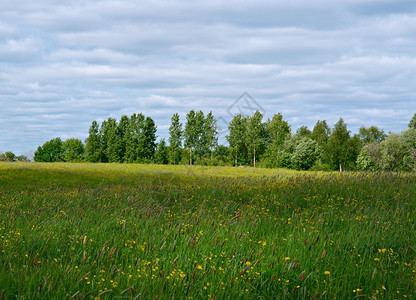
92, 143
175, 139
255, 134
210, 133
190, 134
338, 145
237, 136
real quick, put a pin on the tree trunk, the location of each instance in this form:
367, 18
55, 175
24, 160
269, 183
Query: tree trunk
235, 162
340, 167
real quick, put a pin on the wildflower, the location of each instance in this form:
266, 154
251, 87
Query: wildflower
376, 259
199, 267
248, 263
327, 272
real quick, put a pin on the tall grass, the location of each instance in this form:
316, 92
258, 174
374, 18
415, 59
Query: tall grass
88, 231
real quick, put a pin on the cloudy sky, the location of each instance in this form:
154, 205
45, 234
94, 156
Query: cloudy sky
64, 64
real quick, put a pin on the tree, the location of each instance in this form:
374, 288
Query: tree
210, 133
190, 134
149, 139
140, 139
321, 133
175, 140
371, 134
10, 156
22, 158
51, 151
278, 131
392, 153
200, 142
72, 150
306, 153
369, 157
132, 136
237, 137
338, 145
110, 142
222, 154
92, 144
256, 131
409, 149
121, 132
161, 154
412, 123
303, 131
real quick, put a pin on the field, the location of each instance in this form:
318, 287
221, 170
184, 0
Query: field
94, 231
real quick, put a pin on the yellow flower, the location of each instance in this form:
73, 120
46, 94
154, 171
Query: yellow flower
199, 267
377, 259
327, 272
248, 263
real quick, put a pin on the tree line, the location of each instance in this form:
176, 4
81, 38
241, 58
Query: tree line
252, 141
9, 156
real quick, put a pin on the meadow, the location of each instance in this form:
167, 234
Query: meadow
120, 231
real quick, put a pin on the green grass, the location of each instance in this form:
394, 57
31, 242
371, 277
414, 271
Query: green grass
84, 231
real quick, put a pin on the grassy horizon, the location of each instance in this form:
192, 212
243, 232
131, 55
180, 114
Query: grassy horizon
100, 231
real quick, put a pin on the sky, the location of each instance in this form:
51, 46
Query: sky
64, 64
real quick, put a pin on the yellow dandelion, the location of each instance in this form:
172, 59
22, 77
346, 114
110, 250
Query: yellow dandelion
327, 272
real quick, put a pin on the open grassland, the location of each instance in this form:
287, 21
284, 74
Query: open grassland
87, 231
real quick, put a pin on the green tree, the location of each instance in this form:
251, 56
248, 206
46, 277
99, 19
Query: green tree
113, 143
237, 138
369, 157
321, 133
392, 153
338, 145
409, 149
72, 150
412, 123
175, 140
278, 131
371, 134
200, 146
22, 158
121, 132
149, 139
51, 151
209, 134
190, 134
161, 154
303, 131
222, 154
132, 138
305, 154
92, 144
140, 139
256, 135
10, 156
